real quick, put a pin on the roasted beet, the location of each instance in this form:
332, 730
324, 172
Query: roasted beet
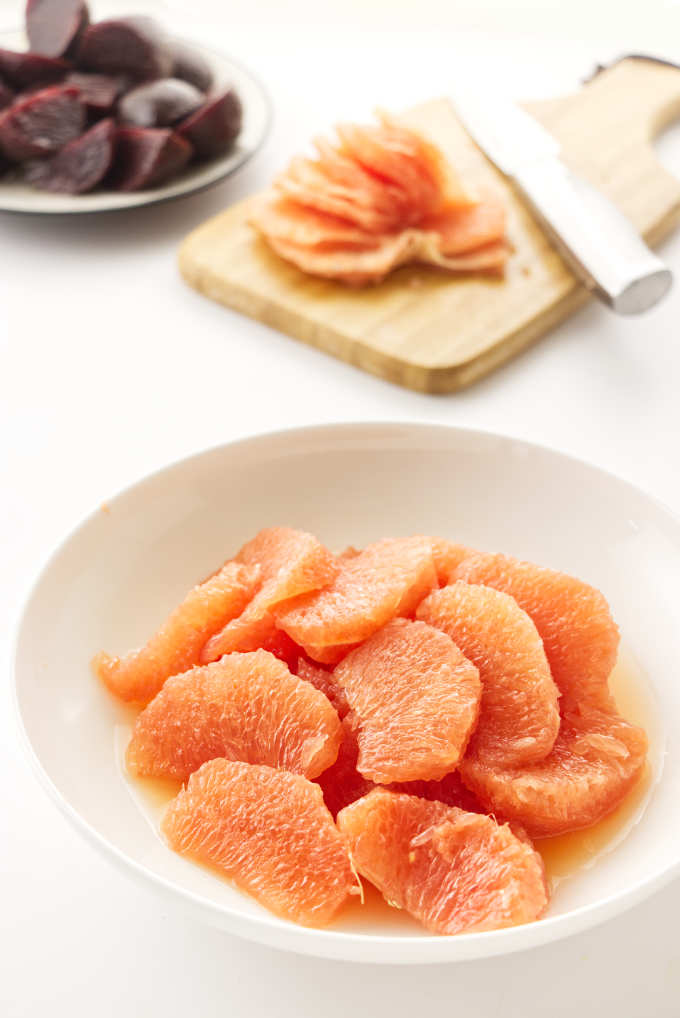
134, 46
54, 26
42, 123
213, 128
6, 96
24, 70
99, 92
147, 157
80, 165
160, 103
189, 65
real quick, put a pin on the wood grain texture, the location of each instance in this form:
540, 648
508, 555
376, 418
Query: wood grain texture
433, 332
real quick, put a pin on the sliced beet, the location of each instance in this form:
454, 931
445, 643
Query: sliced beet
41, 123
99, 92
160, 103
147, 157
54, 26
213, 128
189, 65
6, 96
136, 46
24, 70
80, 165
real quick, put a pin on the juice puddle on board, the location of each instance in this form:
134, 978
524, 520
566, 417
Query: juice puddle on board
564, 856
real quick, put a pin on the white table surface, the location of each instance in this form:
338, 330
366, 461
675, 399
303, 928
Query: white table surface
111, 366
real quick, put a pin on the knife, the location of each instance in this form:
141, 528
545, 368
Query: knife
598, 242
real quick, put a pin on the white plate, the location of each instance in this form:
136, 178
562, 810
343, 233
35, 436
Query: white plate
112, 580
16, 196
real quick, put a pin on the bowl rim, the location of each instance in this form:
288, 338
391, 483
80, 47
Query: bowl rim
271, 930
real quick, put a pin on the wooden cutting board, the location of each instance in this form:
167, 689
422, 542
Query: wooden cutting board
433, 332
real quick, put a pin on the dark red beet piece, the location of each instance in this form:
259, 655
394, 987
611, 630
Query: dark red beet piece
6, 96
147, 157
135, 46
41, 123
23, 70
213, 128
99, 92
190, 66
54, 26
80, 165
160, 103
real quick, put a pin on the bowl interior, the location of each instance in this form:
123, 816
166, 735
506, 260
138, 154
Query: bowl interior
16, 196
113, 580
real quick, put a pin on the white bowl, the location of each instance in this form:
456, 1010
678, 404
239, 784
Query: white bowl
111, 581
16, 196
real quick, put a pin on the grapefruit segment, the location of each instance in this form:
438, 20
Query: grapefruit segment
244, 707
596, 760
177, 645
572, 618
269, 832
379, 197
454, 871
291, 562
385, 580
414, 700
519, 717
371, 263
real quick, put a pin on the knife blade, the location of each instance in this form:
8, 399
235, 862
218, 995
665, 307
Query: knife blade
599, 243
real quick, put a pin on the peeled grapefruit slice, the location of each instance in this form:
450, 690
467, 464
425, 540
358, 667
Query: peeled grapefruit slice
596, 760
572, 618
453, 871
361, 266
407, 160
518, 718
291, 562
414, 700
269, 832
243, 707
178, 643
380, 197
385, 580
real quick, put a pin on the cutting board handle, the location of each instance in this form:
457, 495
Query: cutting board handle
607, 132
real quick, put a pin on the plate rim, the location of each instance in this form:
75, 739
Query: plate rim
270, 930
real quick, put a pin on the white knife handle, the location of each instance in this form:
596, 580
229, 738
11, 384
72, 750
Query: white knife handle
604, 248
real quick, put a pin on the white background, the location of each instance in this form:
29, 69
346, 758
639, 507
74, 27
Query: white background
111, 367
